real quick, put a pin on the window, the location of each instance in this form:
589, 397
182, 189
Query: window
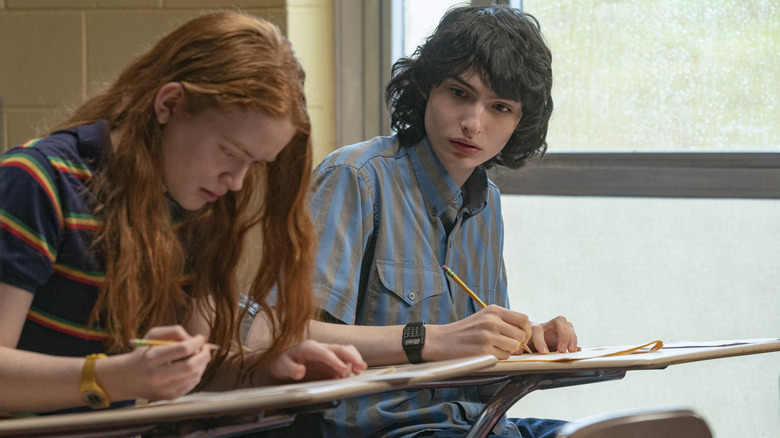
683, 76
676, 99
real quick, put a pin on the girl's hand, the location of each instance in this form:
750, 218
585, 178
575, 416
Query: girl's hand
158, 372
312, 360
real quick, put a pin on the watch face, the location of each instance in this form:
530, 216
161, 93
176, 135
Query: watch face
414, 331
94, 399
411, 342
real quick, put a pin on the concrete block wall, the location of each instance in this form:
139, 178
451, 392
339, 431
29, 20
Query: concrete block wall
56, 53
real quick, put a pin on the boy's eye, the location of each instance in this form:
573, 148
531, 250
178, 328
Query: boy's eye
457, 92
503, 108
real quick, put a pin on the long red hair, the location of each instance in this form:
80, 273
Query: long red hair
223, 60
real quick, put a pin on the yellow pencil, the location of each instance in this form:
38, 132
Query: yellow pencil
138, 342
463, 286
471, 293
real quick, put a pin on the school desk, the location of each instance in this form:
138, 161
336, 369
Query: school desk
231, 412
509, 381
506, 382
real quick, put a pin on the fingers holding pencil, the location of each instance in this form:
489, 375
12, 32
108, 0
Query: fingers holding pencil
166, 363
481, 303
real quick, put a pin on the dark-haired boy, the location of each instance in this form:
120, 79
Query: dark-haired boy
392, 210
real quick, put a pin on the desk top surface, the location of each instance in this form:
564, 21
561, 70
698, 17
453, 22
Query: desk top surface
671, 353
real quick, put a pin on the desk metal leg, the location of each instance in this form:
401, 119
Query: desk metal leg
518, 386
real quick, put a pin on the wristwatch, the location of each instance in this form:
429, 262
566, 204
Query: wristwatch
94, 396
413, 340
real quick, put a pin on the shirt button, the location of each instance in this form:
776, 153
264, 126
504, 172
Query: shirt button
433, 212
456, 200
412, 295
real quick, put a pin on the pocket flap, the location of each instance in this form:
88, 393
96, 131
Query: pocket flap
410, 283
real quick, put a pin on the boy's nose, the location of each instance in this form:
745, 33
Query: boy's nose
471, 124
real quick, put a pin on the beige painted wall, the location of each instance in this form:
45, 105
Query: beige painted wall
310, 28
55, 53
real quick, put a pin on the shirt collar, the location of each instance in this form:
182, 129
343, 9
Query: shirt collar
93, 140
437, 186
475, 191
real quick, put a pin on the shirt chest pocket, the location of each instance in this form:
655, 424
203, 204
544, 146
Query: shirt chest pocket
412, 284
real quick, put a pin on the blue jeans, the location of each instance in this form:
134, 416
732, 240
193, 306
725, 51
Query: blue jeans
307, 425
529, 428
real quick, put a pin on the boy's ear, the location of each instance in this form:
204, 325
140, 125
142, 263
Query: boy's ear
168, 97
424, 93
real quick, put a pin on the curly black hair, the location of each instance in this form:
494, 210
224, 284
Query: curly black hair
506, 48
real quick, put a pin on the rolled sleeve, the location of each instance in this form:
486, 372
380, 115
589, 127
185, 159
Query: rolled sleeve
343, 212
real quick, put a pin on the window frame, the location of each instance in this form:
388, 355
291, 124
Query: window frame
673, 175
363, 62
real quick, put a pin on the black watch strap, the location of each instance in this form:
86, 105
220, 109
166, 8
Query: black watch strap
413, 340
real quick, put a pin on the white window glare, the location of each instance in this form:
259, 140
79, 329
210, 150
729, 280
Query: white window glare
682, 76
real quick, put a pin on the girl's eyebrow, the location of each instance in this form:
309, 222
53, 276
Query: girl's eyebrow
238, 145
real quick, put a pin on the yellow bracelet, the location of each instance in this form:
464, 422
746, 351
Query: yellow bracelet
94, 396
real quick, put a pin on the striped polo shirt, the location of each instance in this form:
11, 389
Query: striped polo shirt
388, 217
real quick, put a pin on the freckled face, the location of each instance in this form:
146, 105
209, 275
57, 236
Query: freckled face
209, 153
468, 123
